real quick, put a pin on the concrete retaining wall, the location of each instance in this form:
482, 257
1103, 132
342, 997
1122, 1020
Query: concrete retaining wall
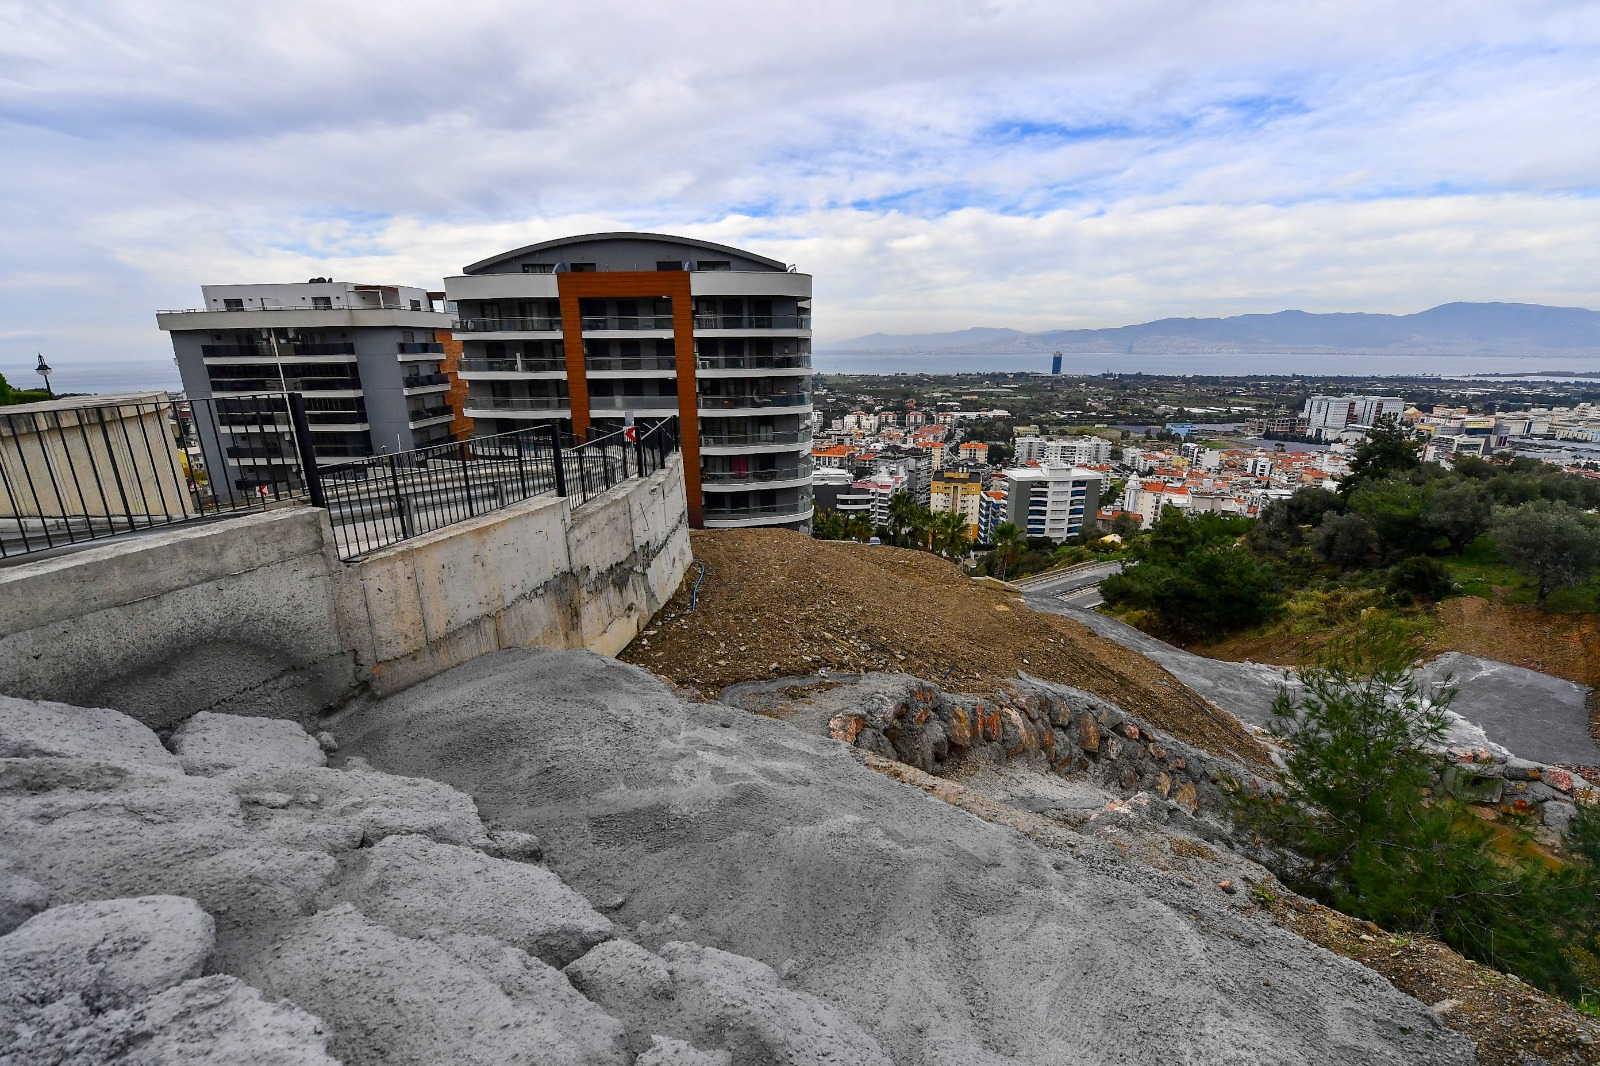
257, 615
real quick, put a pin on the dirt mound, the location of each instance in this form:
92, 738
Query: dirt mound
776, 604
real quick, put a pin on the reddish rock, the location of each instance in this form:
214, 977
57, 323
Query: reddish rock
958, 728
1186, 797
846, 727
1558, 779
1088, 732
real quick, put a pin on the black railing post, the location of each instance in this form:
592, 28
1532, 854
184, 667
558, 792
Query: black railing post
522, 465
302, 446
401, 509
466, 479
557, 460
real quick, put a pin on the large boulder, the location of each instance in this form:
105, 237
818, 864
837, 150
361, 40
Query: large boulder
412, 885
400, 1001
713, 1000
38, 729
211, 743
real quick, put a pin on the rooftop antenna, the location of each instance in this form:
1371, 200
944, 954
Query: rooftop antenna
44, 371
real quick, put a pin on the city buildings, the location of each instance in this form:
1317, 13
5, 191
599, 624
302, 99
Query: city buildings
1327, 417
1053, 500
366, 357
584, 330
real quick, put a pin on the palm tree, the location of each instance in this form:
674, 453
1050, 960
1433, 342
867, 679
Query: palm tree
902, 516
829, 525
858, 526
1008, 543
950, 537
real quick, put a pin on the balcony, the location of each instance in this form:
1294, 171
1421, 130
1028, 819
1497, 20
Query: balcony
519, 403
634, 403
512, 366
630, 364
425, 381
753, 362
508, 325
627, 322
728, 479
274, 454
230, 385
331, 348
336, 418
742, 400
425, 415
752, 321
756, 439
233, 351
762, 514
419, 348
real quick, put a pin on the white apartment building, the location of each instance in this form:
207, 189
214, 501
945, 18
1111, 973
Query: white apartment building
1329, 416
1054, 500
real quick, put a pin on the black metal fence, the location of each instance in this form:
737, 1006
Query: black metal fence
72, 473
388, 498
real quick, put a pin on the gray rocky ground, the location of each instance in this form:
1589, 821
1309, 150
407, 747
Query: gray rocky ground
546, 857
914, 930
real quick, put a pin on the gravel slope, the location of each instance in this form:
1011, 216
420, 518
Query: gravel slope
948, 939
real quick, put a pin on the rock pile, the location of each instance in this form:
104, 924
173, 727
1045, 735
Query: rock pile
229, 897
1509, 787
1053, 728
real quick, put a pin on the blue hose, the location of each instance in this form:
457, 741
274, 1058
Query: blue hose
694, 594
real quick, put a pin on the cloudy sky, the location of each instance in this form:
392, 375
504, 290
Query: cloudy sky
935, 164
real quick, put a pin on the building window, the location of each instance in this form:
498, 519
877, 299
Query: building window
538, 268
714, 264
669, 264
416, 305
322, 303
233, 305
581, 268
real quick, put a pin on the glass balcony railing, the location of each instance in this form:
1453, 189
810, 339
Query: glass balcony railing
633, 403
425, 413
794, 508
508, 325
420, 347
755, 399
754, 477
631, 362
417, 381
627, 322
329, 348
753, 362
518, 403
755, 438
233, 351
512, 365
752, 321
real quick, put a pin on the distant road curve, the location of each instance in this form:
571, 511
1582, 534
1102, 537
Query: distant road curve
1078, 586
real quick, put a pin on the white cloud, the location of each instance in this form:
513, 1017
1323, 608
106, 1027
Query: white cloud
934, 164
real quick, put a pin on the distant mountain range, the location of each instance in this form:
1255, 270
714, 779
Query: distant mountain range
1456, 328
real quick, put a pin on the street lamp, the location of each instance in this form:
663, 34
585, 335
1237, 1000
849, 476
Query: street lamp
44, 371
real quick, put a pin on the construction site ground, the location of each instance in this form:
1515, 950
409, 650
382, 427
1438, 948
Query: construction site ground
774, 603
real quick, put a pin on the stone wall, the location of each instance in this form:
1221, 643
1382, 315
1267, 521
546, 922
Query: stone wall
257, 615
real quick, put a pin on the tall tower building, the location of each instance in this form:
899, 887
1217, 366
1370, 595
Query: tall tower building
585, 330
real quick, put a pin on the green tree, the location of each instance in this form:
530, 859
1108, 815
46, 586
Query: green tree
828, 525
1345, 541
1397, 511
949, 533
1366, 830
905, 517
1008, 546
5, 390
1388, 448
858, 526
1287, 524
1554, 543
1460, 512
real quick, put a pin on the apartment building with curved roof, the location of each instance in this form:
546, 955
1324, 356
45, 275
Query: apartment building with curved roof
587, 329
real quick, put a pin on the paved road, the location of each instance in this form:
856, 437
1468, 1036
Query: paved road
1072, 586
